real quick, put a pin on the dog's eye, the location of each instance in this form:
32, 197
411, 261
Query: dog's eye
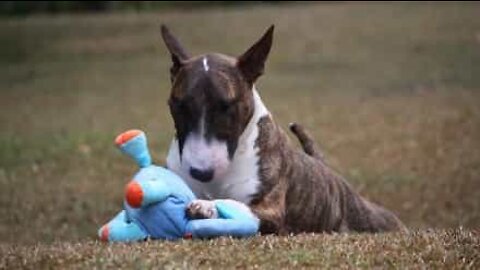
226, 106
177, 105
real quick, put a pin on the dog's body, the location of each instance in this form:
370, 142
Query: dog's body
228, 146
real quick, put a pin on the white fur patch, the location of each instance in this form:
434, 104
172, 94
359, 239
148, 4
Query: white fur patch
202, 122
205, 64
240, 178
202, 155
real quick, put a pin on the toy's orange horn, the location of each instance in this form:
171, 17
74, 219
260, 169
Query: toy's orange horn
126, 136
134, 144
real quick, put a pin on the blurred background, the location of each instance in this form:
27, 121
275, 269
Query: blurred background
391, 92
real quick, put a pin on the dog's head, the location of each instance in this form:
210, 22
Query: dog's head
211, 103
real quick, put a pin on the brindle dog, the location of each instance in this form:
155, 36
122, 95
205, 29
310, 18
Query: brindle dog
227, 146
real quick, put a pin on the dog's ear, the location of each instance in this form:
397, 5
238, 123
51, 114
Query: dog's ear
252, 62
178, 53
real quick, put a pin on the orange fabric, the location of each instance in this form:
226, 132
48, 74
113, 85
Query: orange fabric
134, 194
105, 232
126, 136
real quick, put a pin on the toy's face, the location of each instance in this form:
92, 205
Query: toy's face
155, 184
145, 186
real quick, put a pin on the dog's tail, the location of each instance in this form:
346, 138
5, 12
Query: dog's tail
308, 144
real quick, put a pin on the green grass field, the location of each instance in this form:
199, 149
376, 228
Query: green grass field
390, 91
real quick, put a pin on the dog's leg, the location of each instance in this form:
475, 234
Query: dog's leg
201, 209
308, 144
271, 220
271, 211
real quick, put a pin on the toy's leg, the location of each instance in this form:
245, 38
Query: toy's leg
119, 229
139, 194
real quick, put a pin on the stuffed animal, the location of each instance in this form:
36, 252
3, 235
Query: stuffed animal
156, 203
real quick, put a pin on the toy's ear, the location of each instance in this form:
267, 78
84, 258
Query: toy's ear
134, 144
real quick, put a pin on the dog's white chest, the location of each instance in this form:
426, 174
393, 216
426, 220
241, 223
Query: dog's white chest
240, 182
241, 179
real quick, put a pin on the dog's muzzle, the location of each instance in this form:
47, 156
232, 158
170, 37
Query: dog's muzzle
202, 175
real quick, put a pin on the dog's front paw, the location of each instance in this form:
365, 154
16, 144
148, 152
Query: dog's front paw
200, 209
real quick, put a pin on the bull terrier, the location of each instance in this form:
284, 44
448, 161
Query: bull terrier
228, 146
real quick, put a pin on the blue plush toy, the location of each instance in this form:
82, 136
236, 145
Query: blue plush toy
156, 202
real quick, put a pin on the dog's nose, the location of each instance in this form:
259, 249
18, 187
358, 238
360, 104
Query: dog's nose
201, 175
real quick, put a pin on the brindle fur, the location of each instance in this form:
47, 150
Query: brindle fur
308, 144
300, 193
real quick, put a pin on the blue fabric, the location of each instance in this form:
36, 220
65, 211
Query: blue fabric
166, 220
123, 230
162, 214
209, 228
230, 211
159, 183
233, 221
138, 150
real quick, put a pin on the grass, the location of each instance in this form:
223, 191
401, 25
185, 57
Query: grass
451, 249
391, 92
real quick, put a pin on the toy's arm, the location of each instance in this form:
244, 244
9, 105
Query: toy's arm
235, 219
143, 193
